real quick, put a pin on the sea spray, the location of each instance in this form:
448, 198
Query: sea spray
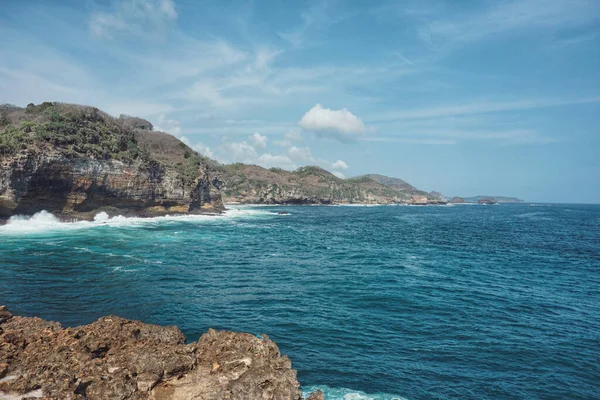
45, 221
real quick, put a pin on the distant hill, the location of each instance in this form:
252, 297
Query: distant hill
499, 199
309, 185
394, 183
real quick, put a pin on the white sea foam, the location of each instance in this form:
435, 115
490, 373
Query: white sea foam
359, 205
349, 394
45, 221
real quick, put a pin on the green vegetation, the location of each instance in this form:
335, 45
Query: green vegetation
81, 132
75, 131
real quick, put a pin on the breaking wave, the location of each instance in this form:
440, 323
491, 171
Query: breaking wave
348, 394
44, 221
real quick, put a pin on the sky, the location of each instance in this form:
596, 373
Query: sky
461, 97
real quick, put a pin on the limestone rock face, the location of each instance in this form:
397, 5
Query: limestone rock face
115, 358
457, 200
79, 188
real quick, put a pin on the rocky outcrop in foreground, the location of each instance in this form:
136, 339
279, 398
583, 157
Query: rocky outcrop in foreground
115, 358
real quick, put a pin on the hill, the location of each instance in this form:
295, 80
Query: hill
76, 160
394, 183
310, 185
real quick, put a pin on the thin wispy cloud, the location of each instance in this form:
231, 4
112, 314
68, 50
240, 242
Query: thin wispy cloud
137, 17
479, 108
511, 17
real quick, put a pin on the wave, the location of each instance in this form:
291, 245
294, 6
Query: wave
44, 221
348, 394
360, 205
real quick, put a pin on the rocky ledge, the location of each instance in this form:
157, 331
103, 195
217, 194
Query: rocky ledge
115, 358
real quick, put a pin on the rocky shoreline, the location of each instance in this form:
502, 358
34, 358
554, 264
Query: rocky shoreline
115, 358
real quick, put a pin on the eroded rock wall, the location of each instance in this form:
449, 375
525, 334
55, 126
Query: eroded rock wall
80, 188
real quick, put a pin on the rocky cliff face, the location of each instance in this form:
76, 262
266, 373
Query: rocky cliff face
75, 161
114, 358
79, 188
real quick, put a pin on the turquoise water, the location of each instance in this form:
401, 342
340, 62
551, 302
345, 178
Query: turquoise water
476, 302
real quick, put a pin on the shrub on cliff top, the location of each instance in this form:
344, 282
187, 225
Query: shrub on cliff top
76, 131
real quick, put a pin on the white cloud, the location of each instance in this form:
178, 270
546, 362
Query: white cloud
137, 108
259, 140
171, 126
244, 152
264, 57
276, 161
510, 17
340, 124
137, 17
288, 138
301, 154
292, 136
339, 164
238, 152
184, 139
411, 140
204, 150
479, 108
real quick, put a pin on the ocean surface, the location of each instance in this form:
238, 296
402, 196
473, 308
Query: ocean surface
389, 302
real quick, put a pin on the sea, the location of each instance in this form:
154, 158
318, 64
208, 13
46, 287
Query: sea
381, 303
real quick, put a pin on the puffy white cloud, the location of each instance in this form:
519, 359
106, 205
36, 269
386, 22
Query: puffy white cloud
238, 152
203, 149
279, 161
340, 124
259, 140
301, 154
339, 164
244, 152
289, 138
171, 126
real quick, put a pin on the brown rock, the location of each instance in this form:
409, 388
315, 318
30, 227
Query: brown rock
114, 358
4, 314
234, 366
318, 395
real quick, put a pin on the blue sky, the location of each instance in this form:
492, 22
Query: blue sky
462, 97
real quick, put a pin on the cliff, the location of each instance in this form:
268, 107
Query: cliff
313, 185
75, 161
115, 358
